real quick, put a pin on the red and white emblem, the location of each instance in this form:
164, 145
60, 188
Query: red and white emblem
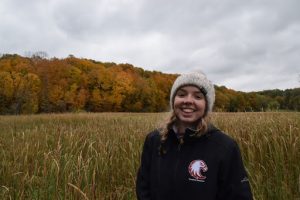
196, 168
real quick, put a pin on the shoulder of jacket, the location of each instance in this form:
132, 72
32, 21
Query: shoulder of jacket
153, 135
222, 139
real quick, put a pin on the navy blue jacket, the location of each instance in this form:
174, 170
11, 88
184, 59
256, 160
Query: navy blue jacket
209, 167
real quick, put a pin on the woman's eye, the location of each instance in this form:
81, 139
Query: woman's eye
180, 95
199, 96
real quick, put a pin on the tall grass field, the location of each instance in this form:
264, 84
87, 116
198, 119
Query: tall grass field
96, 156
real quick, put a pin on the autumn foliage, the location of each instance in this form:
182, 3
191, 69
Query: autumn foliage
40, 85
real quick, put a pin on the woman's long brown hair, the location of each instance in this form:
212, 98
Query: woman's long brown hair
201, 127
165, 130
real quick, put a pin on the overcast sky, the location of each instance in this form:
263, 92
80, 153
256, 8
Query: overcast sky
246, 45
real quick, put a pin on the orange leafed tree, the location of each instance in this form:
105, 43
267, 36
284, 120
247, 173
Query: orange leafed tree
37, 85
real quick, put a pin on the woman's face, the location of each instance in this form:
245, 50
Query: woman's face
189, 105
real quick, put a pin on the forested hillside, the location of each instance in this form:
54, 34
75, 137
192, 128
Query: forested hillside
40, 85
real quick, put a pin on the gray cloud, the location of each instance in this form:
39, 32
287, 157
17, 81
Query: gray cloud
244, 45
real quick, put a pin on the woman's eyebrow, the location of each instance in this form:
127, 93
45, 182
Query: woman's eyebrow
181, 90
196, 92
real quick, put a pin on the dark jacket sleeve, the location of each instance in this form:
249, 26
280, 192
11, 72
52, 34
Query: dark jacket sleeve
143, 176
234, 183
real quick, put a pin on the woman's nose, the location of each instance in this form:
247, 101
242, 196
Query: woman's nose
188, 99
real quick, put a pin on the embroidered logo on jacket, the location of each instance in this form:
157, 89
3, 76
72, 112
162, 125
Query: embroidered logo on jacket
196, 168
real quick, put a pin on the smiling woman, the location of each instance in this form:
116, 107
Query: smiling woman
189, 106
189, 158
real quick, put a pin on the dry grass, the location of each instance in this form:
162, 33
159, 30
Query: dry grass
96, 156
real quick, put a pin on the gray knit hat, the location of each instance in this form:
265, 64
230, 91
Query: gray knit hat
199, 80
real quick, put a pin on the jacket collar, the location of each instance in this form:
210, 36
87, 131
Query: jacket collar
191, 133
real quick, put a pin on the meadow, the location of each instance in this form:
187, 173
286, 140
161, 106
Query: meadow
96, 156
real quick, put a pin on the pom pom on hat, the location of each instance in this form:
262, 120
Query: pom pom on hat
199, 80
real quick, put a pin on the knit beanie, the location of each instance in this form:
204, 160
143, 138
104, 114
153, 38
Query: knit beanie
199, 80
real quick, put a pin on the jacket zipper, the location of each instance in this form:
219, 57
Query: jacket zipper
176, 166
178, 156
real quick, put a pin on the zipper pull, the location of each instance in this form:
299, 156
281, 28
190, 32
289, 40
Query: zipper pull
180, 143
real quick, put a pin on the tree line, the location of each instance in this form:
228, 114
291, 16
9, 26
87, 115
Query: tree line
39, 85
